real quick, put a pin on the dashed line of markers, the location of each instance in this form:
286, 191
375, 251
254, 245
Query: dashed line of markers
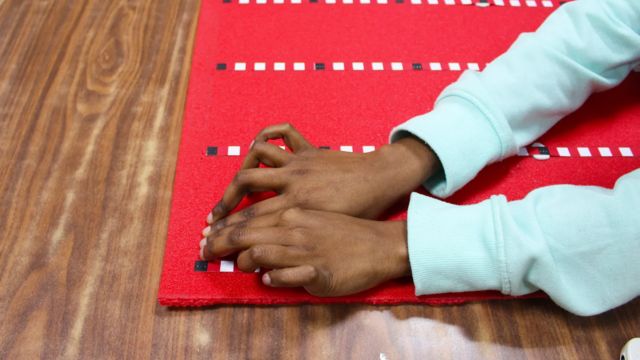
536, 150
479, 3
347, 66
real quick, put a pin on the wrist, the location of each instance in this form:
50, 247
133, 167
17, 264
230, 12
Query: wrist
399, 251
410, 161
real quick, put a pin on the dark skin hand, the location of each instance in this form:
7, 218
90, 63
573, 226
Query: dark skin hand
328, 254
311, 233
362, 185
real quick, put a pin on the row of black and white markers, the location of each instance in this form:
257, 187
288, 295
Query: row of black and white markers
479, 3
347, 66
536, 150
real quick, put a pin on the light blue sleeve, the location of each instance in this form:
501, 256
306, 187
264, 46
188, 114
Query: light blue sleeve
575, 243
583, 47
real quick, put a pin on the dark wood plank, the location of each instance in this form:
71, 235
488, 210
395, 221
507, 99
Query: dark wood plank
91, 101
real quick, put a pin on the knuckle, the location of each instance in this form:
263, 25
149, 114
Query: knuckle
237, 235
259, 146
220, 224
248, 213
258, 253
241, 177
291, 215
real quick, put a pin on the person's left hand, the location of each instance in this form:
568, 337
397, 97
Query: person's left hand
326, 253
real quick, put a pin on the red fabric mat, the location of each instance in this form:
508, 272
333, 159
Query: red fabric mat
396, 57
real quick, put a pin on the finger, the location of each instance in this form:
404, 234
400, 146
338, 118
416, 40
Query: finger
266, 153
239, 238
245, 263
259, 209
273, 256
205, 254
294, 140
243, 182
304, 275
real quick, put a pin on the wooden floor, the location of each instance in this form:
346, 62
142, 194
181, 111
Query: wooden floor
91, 101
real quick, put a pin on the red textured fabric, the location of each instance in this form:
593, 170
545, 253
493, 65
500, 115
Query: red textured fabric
333, 108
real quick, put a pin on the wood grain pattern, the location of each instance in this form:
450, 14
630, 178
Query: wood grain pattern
91, 101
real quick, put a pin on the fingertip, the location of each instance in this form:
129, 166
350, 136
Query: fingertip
202, 253
210, 219
207, 231
266, 279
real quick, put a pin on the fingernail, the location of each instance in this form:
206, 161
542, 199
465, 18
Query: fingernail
207, 231
203, 243
202, 253
266, 279
251, 146
209, 218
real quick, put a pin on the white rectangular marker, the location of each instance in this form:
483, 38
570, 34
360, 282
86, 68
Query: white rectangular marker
377, 66
233, 151
396, 66
279, 66
243, 2
330, 1
454, 66
299, 66
605, 152
261, 2
584, 152
346, 148
382, 2
498, 2
449, 2
226, 266
547, 3
435, 66
347, 2
358, 66
523, 152
338, 66
240, 67
473, 66
626, 152
368, 149
432, 2
365, 2
466, 2
564, 152
531, 3
416, 2
259, 66
514, 3
278, 1
296, 1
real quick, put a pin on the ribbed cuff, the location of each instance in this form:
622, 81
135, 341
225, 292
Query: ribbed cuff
454, 248
461, 136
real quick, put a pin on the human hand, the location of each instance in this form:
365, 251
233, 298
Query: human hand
361, 185
326, 253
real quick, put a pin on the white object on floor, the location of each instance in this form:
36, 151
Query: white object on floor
631, 350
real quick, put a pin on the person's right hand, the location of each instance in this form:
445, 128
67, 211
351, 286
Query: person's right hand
356, 184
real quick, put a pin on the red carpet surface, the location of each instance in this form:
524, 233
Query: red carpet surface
344, 72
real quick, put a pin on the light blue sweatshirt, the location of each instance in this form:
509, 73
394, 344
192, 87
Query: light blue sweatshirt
581, 245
